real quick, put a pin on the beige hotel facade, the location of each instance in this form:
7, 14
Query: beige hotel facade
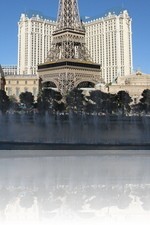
108, 39
34, 41
16, 84
109, 42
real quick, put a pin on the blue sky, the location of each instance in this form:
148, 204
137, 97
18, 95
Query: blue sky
139, 11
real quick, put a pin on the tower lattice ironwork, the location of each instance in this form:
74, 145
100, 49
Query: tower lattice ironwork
68, 63
69, 36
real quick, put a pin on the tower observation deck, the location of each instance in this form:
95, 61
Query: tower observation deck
68, 64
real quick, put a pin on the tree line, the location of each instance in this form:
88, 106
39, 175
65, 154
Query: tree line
97, 102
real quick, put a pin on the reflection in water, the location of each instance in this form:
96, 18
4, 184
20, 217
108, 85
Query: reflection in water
93, 187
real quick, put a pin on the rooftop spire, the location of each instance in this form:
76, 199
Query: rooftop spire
69, 35
68, 16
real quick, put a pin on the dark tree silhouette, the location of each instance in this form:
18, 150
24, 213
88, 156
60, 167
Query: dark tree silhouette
4, 101
47, 98
137, 108
109, 105
90, 108
145, 100
75, 100
14, 104
97, 98
27, 99
123, 101
59, 107
102, 102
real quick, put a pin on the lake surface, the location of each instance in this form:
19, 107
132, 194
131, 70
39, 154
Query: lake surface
41, 146
73, 132
75, 187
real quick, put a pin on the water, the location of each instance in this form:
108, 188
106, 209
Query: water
79, 187
45, 146
75, 130
75, 187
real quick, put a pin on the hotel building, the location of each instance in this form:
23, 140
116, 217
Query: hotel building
108, 39
16, 84
9, 69
34, 41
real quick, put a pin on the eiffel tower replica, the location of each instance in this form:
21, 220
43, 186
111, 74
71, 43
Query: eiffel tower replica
68, 64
